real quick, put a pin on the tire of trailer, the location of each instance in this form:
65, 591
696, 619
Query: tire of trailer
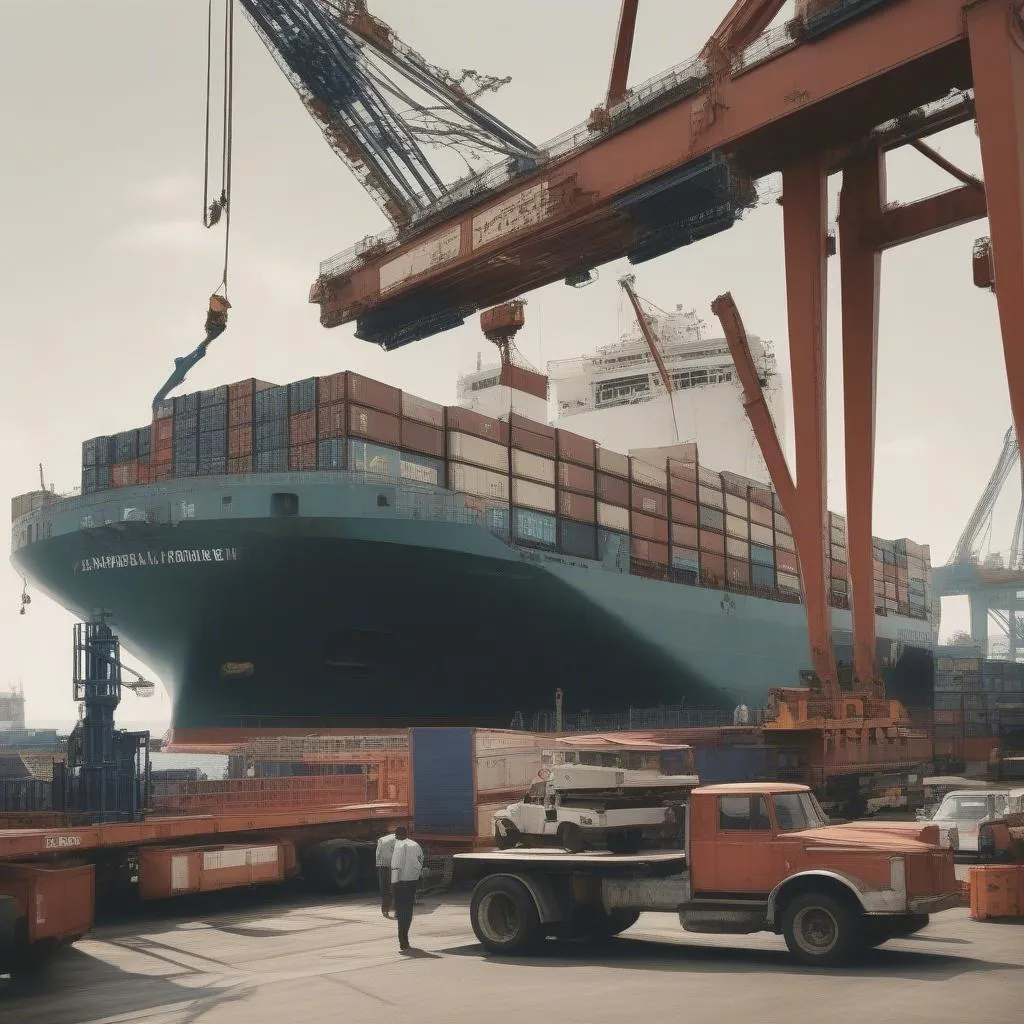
504, 917
820, 931
336, 865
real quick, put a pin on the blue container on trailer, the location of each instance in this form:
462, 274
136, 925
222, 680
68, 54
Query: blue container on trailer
442, 781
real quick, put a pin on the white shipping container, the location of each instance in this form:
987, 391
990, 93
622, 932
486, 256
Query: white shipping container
612, 462
483, 483
528, 494
785, 542
788, 581
501, 773
466, 448
612, 517
761, 535
648, 475
533, 467
485, 817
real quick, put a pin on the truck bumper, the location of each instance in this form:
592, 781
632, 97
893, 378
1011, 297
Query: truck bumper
934, 904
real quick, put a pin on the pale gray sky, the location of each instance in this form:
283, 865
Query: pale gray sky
105, 269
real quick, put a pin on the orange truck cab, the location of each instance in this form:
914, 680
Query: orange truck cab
755, 857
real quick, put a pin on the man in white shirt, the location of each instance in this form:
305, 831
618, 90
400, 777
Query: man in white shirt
385, 850
406, 868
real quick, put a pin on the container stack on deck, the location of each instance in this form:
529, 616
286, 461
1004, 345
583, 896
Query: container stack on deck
530, 484
975, 699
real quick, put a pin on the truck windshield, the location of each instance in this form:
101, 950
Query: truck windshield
971, 806
795, 812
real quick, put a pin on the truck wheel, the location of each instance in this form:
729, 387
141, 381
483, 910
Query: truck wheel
614, 922
512, 837
335, 865
819, 930
626, 842
504, 916
570, 837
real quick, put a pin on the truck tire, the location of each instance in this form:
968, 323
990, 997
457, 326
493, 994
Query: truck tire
504, 917
819, 930
626, 842
614, 922
909, 924
335, 865
881, 929
570, 837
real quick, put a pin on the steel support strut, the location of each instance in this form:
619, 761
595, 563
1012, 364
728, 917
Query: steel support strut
804, 214
995, 30
860, 206
623, 51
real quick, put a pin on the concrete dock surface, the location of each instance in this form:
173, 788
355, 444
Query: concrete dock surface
295, 959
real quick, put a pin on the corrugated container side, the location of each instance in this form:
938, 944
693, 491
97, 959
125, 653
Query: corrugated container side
613, 550
240, 389
613, 517
331, 389
575, 448
239, 463
533, 467
710, 518
713, 543
652, 502
577, 538
709, 478
581, 507
538, 444
782, 524
518, 421
684, 512
271, 404
376, 459
763, 554
685, 489
213, 396
575, 478
737, 572
469, 448
374, 424
761, 535
648, 551
144, 442
762, 576
613, 462
649, 476
274, 461
534, 528
186, 403
423, 469
686, 559
302, 427
332, 420
302, 457
373, 394
482, 483
239, 441
710, 496
530, 494
126, 446
331, 453
302, 395
712, 568
613, 489
737, 506
649, 527
466, 421
444, 790
684, 536
163, 432
124, 474
789, 582
737, 527
760, 496
270, 435
736, 548
422, 411
163, 409
213, 417
785, 542
839, 570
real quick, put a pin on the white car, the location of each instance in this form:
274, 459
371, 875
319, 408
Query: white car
968, 808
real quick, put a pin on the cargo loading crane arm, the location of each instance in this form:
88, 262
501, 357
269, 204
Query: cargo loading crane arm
216, 324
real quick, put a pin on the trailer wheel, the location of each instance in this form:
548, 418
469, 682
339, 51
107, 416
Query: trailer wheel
335, 865
614, 922
570, 837
504, 916
625, 842
819, 930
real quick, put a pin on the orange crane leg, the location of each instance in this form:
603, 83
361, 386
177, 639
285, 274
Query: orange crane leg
995, 30
805, 227
860, 206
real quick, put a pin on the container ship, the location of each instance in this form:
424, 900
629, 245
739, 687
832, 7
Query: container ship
334, 552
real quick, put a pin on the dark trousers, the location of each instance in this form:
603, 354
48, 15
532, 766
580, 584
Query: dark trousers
405, 896
384, 878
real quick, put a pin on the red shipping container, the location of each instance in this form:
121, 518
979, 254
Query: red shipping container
648, 527
373, 394
374, 425
684, 512
577, 506
466, 421
240, 464
124, 474
422, 411
840, 571
240, 410
684, 536
648, 550
302, 457
527, 381
420, 437
613, 489
761, 515
712, 569
575, 478
575, 448
161, 456
536, 444
653, 502
302, 427
162, 434
159, 471
785, 561
683, 488
737, 572
533, 426
331, 390
332, 421
712, 542
241, 389
240, 440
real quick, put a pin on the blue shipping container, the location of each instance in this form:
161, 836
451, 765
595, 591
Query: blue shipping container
732, 764
186, 403
186, 425
331, 453
422, 468
88, 479
378, 459
213, 444
271, 461
90, 451
442, 781
761, 555
102, 478
213, 417
271, 404
145, 434
613, 549
126, 446
762, 575
711, 518
302, 395
538, 529
579, 539
270, 435
213, 397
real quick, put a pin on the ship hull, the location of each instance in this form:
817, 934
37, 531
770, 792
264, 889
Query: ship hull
369, 618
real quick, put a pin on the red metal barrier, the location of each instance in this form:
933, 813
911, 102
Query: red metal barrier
265, 794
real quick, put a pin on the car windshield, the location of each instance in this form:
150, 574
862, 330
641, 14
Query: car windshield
795, 812
971, 806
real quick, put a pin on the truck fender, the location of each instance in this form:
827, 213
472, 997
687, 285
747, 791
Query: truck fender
549, 909
832, 876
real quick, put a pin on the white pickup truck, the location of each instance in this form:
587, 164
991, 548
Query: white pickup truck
603, 793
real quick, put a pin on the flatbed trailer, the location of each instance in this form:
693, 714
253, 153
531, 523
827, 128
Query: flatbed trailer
51, 878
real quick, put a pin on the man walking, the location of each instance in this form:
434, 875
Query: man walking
385, 851
406, 868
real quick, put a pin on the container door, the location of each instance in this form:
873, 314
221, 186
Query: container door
443, 784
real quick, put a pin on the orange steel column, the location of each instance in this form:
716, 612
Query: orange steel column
996, 32
860, 208
804, 212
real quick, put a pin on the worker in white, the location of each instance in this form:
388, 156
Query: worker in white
406, 868
385, 850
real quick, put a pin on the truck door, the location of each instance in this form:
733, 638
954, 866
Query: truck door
743, 851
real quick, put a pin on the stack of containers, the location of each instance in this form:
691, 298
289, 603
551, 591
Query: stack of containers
902, 580
374, 426
885, 555
124, 467
161, 456
213, 431
96, 459
649, 534
918, 577
478, 464
741, 556
532, 492
422, 438
331, 421
839, 569
711, 522
787, 568
186, 435
270, 433
302, 427
612, 483
683, 511
576, 485
240, 433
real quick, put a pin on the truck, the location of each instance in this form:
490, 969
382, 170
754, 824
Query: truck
753, 857
602, 792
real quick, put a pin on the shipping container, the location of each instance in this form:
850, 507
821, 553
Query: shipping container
683, 489
785, 561
302, 427
789, 582
762, 576
420, 410
528, 466
422, 468
302, 396
649, 528
302, 458
377, 460
683, 512
737, 506
711, 497
642, 550
839, 570
613, 463
213, 452
468, 448
709, 478
736, 526
270, 435
577, 538
643, 473
125, 446
710, 518
372, 394
239, 464
213, 397
761, 516
577, 506
374, 425
163, 433
474, 480
613, 548
532, 495
649, 501
737, 572
784, 542
576, 478
494, 514
712, 542
838, 553
124, 474
684, 536
686, 559
273, 461
761, 496
423, 438
613, 490
475, 424
240, 441
331, 390
538, 444
533, 528
145, 441
712, 569
522, 422
782, 524
186, 403
574, 448
332, 421
165, 871
761, 535
737, 549
762, 554
97, 451
332, 453
163, 409
270, 404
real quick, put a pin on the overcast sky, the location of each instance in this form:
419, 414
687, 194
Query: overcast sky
105, 268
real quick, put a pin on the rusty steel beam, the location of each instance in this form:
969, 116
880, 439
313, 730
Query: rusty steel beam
745, 21
623, 52
901, 224
947, 165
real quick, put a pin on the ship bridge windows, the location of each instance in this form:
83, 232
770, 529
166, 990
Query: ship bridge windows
284, 504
